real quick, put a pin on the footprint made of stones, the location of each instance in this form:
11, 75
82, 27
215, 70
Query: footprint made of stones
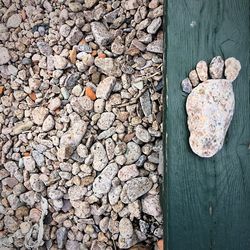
210, 103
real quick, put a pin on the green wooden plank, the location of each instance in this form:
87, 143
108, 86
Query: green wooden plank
208, 200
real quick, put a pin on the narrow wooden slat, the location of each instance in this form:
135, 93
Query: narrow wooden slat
207, 200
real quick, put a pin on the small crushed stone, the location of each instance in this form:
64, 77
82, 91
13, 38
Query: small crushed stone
80, 124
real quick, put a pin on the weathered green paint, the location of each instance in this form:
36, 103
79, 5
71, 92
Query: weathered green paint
207, 200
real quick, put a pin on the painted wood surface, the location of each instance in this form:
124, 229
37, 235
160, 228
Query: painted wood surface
207, 200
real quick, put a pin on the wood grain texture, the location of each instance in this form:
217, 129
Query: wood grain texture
208, 200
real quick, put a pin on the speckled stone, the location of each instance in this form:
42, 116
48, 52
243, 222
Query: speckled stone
194, 78
210, 108
202, 69
232, 68
74, 135
135, 188
100, 156
5, 56
126, 228
186, 85
216, 67
102, 182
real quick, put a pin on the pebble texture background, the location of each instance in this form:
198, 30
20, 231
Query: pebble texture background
80, 123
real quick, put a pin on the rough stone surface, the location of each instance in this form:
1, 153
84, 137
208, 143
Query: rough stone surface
128, 172
232, 68
44, 48
186, 86
90, 3
210, 108
75, 36
216, 67
142, 134
151, 205
5, 56
105, 88
202, 70
106, 120
108, 67
155, 46
193, 77
131, 4
101, 34
54, 104
146, 104
86, 103
102, 182
81, 122
126, 228
48, 123
61, 237
14, 21
22, 126
60, 62
100, 156
135, 188
77, 192
39, 114
114, 194
133, 152
82, 209
154, 26
29, 163
74, 135
36, 184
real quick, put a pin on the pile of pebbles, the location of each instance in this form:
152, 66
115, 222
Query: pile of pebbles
81, 123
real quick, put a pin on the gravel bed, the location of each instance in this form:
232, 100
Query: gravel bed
80, 124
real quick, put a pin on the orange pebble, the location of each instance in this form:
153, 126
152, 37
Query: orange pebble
32, 96
102, 55
1, 90
23, 14
26, 154
160, 244
72, 56
90, 93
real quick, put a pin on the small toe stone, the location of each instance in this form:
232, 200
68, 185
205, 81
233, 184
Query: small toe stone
194, 78
232, 68
202, 69
216, 67
186, 86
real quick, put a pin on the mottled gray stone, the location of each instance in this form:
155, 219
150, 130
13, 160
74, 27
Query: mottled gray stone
105, 87
142, 134
101, 34
75, 36
216, 67
106, 120
102, 182
5, 56
100, 156
135, 188
126, 228
74, 135
133, 152
61, 237
186, 86
151, 205
146, 103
